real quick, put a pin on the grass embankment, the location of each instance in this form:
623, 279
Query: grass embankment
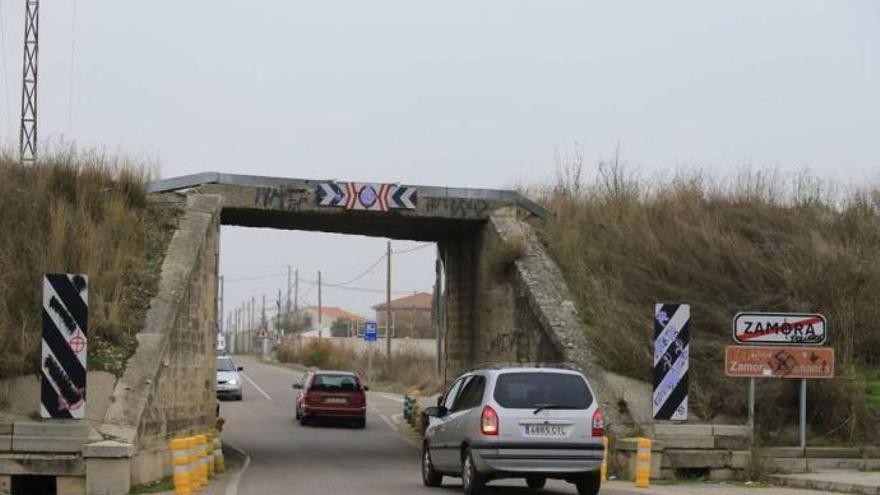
85, 214
757, 242
407, 370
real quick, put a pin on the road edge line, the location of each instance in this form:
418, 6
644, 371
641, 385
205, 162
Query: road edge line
260, 390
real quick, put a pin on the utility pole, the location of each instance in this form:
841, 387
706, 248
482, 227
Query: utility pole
27, 138
296, 292
288, 291
388, 307
221, 305
263, 316
278, 329
320, 309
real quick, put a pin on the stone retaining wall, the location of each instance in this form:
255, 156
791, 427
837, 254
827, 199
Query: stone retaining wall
168, 386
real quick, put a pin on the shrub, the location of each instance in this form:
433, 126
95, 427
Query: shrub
759, 241
409, 367
77, 213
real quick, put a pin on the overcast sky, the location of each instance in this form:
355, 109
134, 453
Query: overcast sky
449, 93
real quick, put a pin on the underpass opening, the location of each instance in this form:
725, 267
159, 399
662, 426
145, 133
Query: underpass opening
307, 298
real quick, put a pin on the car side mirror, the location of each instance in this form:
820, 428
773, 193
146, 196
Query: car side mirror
439, 400
241, 368
297, 385
435, 411
366, 388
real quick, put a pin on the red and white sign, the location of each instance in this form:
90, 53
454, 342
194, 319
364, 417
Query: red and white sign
366, 196
801, 329
779, 362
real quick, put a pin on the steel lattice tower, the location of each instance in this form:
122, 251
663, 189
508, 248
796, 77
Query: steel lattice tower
28, 138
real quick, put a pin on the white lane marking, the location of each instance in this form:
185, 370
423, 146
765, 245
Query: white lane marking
388, 422
267, 396
395, 398
232, 486
397, 418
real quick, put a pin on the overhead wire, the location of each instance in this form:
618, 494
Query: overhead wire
409, 250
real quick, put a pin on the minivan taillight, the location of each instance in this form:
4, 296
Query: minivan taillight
489, 421
598, 423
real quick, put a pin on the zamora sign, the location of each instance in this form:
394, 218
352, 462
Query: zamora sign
779, 329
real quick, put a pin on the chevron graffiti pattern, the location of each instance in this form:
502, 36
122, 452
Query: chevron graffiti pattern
366, 196
65, 338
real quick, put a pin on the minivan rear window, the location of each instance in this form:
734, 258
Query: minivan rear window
531, 390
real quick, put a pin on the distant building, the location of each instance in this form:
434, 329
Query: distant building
329, 316
410, 316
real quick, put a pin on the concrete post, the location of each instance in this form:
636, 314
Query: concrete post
108, 467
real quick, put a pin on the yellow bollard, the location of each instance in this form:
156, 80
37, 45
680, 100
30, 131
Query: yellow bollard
219, 461
209, 458
180, 461
191, 457
604, 469
193, 464
203, 459
643, 463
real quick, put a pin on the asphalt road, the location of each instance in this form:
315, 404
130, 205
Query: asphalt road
288, 459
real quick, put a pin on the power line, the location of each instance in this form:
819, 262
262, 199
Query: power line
423, 246
365, 272
258, 277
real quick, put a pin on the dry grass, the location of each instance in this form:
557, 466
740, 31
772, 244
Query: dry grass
758, 241
412, 369
85, 213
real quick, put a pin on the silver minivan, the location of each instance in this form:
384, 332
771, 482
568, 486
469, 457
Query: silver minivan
533, 423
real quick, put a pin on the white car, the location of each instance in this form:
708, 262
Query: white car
532, 423
228, 379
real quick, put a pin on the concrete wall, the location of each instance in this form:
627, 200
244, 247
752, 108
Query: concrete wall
489, 316
168, 386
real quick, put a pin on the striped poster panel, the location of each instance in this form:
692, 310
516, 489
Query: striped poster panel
672, 326
65, 338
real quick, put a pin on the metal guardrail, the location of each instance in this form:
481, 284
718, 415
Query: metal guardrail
195, 180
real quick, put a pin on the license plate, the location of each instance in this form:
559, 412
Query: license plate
545, 430
335, 400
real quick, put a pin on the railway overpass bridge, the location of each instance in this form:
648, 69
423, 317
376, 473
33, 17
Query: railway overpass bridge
503, 300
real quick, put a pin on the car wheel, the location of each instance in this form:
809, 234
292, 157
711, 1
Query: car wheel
588, 484
239, 397
429, 476
296, 413
303, 420
472, 482
536, 483
361, 423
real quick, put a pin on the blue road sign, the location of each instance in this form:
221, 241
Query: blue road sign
371, 331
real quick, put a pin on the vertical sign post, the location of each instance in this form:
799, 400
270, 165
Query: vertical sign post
371, 335
63, 357
672, 324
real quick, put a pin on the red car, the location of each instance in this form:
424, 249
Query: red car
331, 394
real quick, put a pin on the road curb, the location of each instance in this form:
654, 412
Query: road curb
235, 478
825, 485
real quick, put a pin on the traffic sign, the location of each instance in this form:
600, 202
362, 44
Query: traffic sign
796, 329
779, 362
371, 331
